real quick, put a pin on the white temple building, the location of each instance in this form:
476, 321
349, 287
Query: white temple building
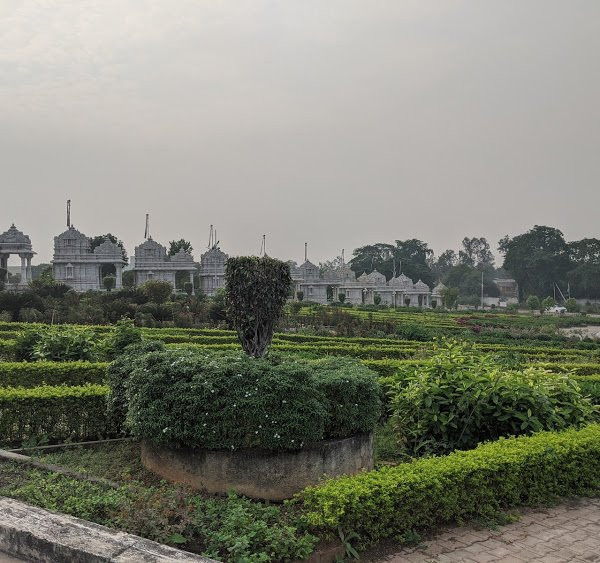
151, 262
82, 268
400, 291
12, 242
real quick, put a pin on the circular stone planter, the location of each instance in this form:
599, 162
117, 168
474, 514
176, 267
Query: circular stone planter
260, 474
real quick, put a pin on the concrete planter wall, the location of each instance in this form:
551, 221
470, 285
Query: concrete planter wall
259, 473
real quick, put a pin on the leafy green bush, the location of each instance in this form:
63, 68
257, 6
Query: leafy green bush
224, 402
56, 344
414, 331
462, 397
231, 401
34, 374
123, 334
117, 376
57, 413
528, 470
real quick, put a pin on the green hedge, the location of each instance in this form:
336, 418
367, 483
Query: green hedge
590, 386
7, 349
461, 486
57, 413
34, 374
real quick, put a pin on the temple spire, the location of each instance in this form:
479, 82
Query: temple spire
147, 231
68, 214
305, 251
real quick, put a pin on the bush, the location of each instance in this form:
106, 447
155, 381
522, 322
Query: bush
123, 334
34, 374
461, 486
56, 344
117, 376
413, 331
463, 397
157, 291
572, 305
224, 402
352, 396
231, 401
58, 413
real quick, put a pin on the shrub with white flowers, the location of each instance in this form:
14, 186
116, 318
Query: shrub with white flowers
225, 401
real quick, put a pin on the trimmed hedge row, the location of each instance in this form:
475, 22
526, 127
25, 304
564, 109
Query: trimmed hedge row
34, 374
461, 486
7, 349
57, 413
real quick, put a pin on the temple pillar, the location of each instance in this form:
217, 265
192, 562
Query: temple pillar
23, 270
119, 276
29, 276
192, 281
4, 266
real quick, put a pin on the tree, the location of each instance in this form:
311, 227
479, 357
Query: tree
450, 297
157, 291
571, 305
377, 299
445, 262
176, 245
411, 257
467, 279
299, 295
99, 239
188, 287
537, 259
342, 297
533, 302
548, 302
256, 290
475, 252
109, 282
128, 279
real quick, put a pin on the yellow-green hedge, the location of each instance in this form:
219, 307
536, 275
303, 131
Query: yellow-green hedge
465, 485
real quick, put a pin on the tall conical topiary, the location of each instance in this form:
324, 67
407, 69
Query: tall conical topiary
256, 291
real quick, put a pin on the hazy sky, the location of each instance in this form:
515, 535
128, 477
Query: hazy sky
336, 122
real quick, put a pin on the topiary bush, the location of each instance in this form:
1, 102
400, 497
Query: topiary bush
463, 397
229, 400
255, 294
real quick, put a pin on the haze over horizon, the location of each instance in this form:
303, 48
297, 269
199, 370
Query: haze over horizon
340, 123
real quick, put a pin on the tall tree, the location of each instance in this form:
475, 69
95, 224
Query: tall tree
475, 252
176, 245
446, 260
537, 259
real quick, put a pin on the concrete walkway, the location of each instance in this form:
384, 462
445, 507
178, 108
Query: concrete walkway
569, 532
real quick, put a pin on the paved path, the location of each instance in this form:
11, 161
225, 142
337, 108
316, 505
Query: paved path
8, 559
569, 532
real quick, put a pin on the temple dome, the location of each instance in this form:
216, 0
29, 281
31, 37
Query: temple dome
182, 256
109, 249
402, 281
437, 290
421, 286
15, 237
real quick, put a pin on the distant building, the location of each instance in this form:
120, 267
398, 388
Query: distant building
151, 262
82, 268
362, 290
12, 242
212, 270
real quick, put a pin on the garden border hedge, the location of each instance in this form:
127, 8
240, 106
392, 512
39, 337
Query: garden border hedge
34, 374
464, 485
57, 412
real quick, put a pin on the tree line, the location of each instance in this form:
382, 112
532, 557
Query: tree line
541, 261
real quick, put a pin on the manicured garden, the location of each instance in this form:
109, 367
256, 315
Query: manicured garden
468, 422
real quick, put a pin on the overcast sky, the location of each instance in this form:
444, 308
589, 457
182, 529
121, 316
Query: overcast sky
336, 122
